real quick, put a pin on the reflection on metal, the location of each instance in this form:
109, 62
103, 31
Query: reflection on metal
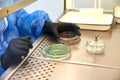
15, 7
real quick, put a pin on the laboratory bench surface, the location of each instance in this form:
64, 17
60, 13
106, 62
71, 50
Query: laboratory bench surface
81, 65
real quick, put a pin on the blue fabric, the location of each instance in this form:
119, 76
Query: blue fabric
32, 24
22, 24
2, 26
2, 29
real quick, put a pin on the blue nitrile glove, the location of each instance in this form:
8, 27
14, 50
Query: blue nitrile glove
17, 48
54, 29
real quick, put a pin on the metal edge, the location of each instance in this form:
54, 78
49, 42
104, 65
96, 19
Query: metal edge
77, 63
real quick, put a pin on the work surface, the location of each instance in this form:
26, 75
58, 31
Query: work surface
82, 65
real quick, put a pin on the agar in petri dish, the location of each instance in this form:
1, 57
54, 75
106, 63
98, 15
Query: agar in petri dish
58, 51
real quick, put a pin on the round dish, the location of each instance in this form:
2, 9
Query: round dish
69, 37
58, 51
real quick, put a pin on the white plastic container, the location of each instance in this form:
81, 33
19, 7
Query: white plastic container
117, 14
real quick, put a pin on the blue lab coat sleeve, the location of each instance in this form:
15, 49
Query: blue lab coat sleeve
12, 30
7, 34
32, 24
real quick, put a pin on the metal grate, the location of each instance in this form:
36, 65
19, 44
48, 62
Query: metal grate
40, 49
34, 69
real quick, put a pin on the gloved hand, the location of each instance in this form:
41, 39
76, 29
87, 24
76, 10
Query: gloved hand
17, 47
54, 29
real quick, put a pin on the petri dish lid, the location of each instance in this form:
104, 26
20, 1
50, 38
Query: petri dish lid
58, 51
69, 37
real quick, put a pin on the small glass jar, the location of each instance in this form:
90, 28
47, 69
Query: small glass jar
58, 52
95, 45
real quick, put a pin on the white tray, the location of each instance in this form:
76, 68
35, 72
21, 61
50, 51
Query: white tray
88, 21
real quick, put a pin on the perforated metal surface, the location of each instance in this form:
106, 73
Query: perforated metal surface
34, 69
40, 49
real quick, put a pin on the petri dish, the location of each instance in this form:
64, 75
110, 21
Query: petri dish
58, 51
69, 37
